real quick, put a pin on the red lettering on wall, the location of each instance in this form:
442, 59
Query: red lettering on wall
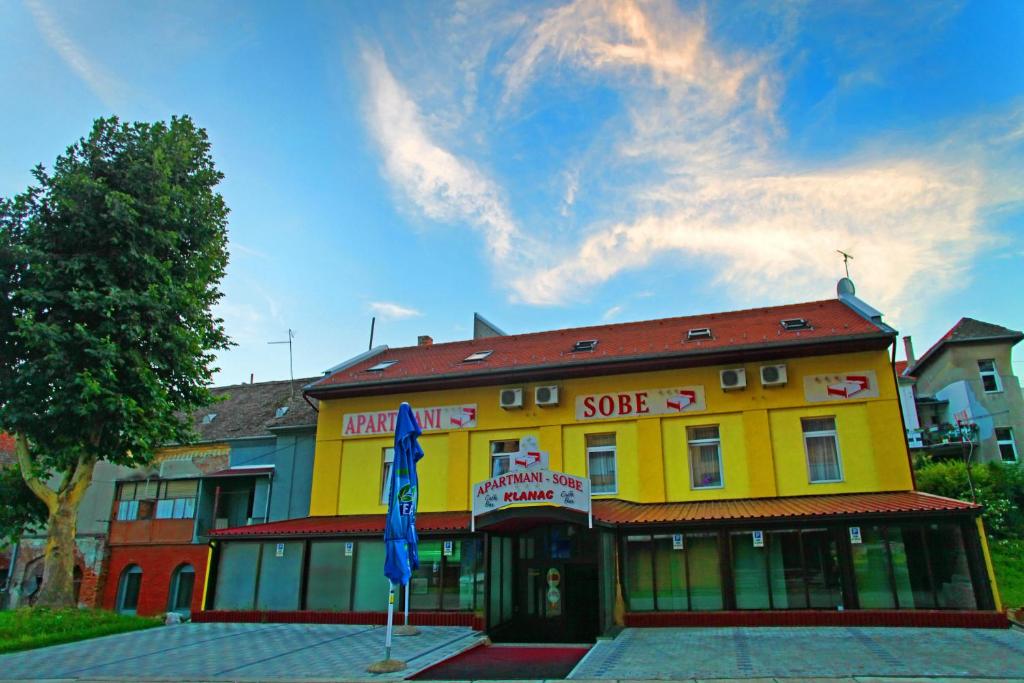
606, 405
641, 403
625, 404
588, 407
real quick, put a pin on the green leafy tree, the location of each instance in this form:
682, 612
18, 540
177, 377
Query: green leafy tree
109, 268
21, 510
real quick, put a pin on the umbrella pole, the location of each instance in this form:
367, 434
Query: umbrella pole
407, 602
391, 618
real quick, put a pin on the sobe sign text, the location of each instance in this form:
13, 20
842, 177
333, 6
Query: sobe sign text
640, 402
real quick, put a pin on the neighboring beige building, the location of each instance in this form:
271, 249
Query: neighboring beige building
966, 399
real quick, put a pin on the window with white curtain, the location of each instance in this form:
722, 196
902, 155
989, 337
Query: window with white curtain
388, 459
601, 463
501, 455
822, 446
705, 447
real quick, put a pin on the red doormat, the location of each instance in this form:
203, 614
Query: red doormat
506, 662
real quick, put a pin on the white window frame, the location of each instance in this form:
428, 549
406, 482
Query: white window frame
717, 442
613, 449
506, 455
1011, 442
834, 433
387, 462
993, 373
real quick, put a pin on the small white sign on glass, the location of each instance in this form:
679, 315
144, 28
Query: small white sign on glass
279, 551
349, 548
855, 535
447, 548
677, 541
758, 537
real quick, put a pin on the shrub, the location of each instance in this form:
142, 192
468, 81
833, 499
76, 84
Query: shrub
999, 487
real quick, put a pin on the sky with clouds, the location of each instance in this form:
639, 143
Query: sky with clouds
553, 164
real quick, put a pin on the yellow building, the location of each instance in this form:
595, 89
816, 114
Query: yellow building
740, 467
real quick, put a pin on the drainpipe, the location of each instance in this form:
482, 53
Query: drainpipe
216, 504
270, 491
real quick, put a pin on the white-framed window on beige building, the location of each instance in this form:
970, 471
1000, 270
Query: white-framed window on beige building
705, 448
601, 464
1007, 445
821, 443
990, 381
501, 455
387, 460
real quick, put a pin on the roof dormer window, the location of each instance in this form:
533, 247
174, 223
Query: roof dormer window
382, 366
698, 333
209, 417
281, 412
477, 356
585, 345
795, 324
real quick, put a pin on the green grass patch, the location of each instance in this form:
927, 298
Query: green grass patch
1008, 561
28, 628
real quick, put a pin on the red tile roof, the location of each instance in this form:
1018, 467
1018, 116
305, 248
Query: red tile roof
839, 505
621, 512
426, 522
749, 331
901, 367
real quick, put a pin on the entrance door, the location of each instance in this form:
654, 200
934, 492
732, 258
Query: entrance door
554, 581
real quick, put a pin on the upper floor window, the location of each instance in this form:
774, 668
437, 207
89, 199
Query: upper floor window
501, 455
129, 493
1007, 446
177, 499
822, 445
989, 376
388, 459
705, 447
601, 463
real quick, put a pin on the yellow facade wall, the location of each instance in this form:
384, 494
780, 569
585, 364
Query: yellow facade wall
762, 445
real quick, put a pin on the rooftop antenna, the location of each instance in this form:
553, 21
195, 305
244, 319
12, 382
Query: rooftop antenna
846, 261
291, 367
373, 321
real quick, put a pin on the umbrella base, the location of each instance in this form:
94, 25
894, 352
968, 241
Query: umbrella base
408, 630
386, 666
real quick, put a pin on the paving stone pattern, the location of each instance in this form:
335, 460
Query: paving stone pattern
746, 653
237, 652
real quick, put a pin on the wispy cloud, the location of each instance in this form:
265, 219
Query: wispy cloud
444, 186
105, 86
392, 311
698, 167
612, 313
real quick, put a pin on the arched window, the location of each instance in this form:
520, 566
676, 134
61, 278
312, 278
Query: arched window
128, 589
179, 597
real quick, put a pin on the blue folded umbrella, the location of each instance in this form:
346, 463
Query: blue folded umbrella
400, 541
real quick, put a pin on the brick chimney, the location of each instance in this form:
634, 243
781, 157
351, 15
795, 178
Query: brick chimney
908, 346
424, 340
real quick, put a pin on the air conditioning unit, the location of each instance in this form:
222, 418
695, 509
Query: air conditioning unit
733, 378
511, 398
546, 396
773, 375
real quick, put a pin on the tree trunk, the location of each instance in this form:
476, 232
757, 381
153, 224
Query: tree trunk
59, 562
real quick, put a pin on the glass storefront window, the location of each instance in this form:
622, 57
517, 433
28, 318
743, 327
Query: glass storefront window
670, 568
639, 573
425, 583
371, 594
950, 570
280, 576
236, 576
824, 578
871, 570
705, 573
750, 572
329, 584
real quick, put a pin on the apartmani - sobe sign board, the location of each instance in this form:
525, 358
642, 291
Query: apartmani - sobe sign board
531, 486
640, 402
846, 386
430, 419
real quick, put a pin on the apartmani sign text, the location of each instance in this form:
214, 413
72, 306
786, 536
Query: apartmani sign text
430, 419
536, 486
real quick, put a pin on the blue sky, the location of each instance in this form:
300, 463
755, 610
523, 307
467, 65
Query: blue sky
559, 164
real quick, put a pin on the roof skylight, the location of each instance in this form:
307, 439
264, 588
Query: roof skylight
794, 324
698, 333
477, 356
381, 366
585, 345
281, 412
209, 417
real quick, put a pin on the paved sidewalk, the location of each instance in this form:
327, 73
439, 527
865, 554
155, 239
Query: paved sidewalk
191, 652
801, 653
